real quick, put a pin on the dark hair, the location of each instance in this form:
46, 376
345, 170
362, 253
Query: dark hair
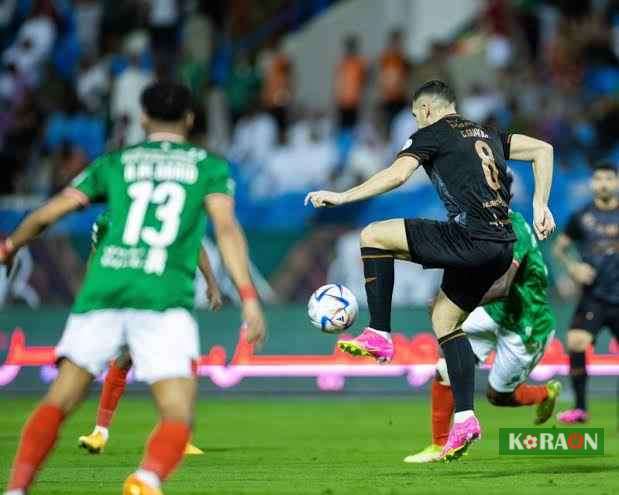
605, 166
166, 101
436, 88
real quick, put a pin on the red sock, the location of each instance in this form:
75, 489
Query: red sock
113, 388
442, 410
526, 395
165, 448
37, 440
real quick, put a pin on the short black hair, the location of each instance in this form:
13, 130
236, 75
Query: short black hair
436, 88
605, 166
166, 101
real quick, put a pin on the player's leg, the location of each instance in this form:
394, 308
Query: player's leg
41, 430
461, 292
587, 322
111, 392
481, 331
511, 368
381, 244
83, 352
447, 318
442, 406
164, 347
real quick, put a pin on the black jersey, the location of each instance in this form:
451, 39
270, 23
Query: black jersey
467, 164
596, 234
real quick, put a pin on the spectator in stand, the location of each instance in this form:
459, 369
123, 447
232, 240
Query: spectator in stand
198, 35
163, 20
242, 87
254, 138
277, 88
480, 102
350, 80
125, 108
72, 124
20, 141
33, 44
367, 156
7, 10
88, 16
67, 162
196, 50
393, 78
93, 83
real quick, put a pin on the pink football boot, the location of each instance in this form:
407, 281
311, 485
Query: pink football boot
369, 343
461, 436
572, 416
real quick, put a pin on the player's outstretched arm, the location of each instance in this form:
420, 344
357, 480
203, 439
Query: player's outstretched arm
385, 180
37, 222
540, 153
213, 294
233, 248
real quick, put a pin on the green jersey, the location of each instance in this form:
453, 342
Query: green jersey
526, 310
148, 254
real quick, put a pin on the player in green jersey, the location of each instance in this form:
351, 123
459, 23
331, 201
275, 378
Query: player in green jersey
138, 289
116, 377
518, 329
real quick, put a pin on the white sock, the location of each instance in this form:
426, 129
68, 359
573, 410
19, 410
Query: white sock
386, 335
15, 492
103, 430
461, 416
148, 477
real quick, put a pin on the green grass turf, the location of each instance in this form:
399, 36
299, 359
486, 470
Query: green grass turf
328, 446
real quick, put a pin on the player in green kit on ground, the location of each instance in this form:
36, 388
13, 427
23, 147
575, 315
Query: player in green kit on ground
518, 329
116, 377
138, 288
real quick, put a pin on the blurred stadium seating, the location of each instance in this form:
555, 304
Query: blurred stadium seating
72, 71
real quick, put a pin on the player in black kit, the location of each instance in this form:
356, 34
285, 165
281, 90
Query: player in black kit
466, 163
594, 231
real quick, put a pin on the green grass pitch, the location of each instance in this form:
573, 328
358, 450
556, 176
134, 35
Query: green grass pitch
323, 446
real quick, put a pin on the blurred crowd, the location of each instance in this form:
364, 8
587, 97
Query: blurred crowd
72, 72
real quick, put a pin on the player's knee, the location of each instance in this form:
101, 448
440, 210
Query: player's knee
69, 388
578, 340
369, 237
500, 399
176, 410
66, 399
124, 361
175, 399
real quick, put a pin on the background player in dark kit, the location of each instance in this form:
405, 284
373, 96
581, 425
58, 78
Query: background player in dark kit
466, 163
594, 231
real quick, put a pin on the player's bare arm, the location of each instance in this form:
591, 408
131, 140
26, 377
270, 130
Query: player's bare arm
213, 294
387, 179
233, 248
581, 272
540, 153
35, 223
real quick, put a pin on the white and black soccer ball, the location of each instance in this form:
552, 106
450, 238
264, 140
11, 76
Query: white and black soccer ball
332, 308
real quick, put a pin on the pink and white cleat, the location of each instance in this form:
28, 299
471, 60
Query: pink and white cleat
461, 436
370, 343
572, 416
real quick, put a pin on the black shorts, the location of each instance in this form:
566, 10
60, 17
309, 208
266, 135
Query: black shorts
593, 314
470, 265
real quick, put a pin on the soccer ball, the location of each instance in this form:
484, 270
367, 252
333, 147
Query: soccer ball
332, 308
